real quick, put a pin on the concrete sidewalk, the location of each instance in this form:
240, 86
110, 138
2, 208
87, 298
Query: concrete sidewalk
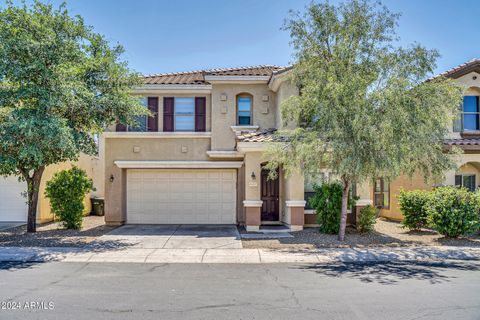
142, 255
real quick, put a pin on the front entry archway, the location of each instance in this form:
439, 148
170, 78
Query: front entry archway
270, 196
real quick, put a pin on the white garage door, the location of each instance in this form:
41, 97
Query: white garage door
181, 196
13, 206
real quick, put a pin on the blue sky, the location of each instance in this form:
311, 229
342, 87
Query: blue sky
178, 35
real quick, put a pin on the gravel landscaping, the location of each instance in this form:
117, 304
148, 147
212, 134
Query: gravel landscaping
54, 235
386, 234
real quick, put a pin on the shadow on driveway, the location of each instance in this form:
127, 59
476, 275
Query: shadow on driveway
175, 236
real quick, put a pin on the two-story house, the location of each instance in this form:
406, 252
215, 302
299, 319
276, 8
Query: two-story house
199, 158
465, 134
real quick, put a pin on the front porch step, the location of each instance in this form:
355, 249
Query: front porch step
260, 236
269, 232
274, 229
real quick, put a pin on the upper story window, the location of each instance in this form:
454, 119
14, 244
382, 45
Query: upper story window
469, 117
144, 123
381, 194
244, 109
184, 114
141, 121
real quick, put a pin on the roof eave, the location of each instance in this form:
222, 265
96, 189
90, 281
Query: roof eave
236, 79
151, 88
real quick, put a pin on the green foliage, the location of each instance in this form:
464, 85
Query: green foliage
66, 192
362, 95
367, 218
454, 211
60, 84
413, 205
327, 202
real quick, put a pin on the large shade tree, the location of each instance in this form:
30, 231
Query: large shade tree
60, 83
367, 107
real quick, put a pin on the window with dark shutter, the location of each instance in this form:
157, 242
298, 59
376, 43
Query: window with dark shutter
168, 114
121, 127
152, 124
200, 114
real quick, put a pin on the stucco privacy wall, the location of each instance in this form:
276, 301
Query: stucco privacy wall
92, 165
224, 112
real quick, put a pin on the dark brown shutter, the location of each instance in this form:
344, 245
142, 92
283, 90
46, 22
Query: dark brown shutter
121, 127
152, 123
168, 113
200, 114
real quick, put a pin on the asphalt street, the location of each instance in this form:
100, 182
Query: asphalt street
61, 290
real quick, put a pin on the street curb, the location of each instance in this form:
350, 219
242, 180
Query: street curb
250, 256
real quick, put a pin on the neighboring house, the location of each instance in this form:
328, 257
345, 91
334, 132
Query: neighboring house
465, 134
13, 206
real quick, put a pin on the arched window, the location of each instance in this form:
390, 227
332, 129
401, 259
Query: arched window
244, 109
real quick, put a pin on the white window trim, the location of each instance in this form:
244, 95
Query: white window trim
146, 164
158, 134
175, 115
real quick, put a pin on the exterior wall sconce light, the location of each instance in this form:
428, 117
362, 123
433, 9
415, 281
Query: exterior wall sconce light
112, 178
253, 175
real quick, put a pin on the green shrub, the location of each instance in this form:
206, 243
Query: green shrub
66, 191
327, 202
367, 218
413, 205
454, 211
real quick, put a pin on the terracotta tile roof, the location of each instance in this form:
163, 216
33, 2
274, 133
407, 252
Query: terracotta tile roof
198, 77
266, 135
460, 70
282, 70
191, 77
262, 70
462, 142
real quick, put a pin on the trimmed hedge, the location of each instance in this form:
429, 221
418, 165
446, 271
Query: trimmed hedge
414, 209
453, 211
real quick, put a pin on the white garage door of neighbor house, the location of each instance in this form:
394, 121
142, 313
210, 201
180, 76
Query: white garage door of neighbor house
181, 196
13, 206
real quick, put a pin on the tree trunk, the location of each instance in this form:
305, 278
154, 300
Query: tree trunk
33, 189
343, 217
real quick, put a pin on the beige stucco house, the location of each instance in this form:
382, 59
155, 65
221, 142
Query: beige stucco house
199, 159
465, 134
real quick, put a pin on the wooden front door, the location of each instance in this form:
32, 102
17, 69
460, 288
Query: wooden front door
270, 195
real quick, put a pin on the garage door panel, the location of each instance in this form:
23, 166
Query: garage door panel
181, 196
13, 206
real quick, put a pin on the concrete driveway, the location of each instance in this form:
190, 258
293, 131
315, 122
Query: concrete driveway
175, 236
8, 225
